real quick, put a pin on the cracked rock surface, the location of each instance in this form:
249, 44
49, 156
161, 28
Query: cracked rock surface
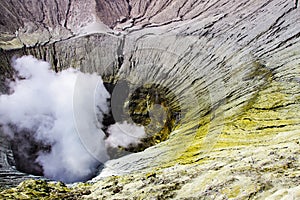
234, 67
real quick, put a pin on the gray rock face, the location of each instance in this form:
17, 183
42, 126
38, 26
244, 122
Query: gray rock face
233, 66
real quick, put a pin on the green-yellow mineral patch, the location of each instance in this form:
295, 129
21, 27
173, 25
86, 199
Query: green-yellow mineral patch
273, 110
40, 189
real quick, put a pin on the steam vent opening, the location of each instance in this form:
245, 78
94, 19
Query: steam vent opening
152, 106
163, 99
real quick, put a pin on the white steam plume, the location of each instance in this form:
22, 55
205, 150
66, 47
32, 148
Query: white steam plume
124, 134
42, 102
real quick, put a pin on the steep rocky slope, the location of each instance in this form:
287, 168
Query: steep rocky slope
234, 67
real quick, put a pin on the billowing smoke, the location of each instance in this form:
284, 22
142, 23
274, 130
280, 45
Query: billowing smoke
124, 134
41, 103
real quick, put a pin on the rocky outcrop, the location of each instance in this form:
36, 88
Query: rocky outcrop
233, 67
